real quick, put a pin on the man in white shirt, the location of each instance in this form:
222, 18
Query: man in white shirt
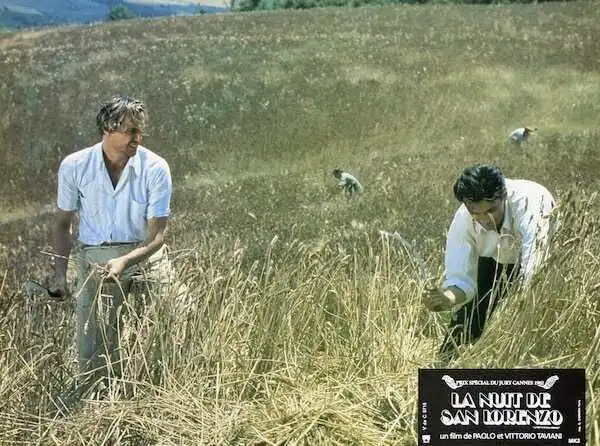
348, 183
521, 134
122, 192
499, 233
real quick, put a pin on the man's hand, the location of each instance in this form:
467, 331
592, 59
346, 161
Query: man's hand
62, 246
436, 300
114, 268
58, 286
445, 299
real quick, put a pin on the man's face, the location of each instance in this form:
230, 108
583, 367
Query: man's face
125, 139
488, 213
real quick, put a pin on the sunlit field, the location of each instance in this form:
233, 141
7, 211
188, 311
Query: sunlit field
298, 324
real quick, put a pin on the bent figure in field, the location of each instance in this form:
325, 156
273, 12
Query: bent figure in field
348, 183
498, 235
122, 192
521, 134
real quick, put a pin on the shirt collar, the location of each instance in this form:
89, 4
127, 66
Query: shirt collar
507, 224
98, 158
508, 218
507, 221
134, 161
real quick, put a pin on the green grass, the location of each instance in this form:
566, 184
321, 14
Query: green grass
301, 326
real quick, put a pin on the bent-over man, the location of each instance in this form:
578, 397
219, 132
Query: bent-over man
499, 233
348, 183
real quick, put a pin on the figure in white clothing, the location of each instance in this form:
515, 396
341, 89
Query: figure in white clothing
499, 233
521, 134
121, 192
348, 183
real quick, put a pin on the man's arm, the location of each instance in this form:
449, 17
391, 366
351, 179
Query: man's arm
460, 275
156, 238
62, 247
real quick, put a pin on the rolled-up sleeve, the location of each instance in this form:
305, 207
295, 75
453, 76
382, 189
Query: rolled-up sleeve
68, 193
160, 190
461, 255
534, 223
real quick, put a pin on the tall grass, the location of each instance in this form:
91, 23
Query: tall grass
313, 344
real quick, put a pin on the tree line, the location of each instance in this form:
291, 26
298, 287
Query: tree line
250, 5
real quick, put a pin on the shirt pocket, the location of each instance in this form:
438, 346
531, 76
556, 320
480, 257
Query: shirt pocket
138, 209
137, 204
509, 247
90, 198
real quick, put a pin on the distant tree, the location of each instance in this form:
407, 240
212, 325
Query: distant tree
247, 5
120, 13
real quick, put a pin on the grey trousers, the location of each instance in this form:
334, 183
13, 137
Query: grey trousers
101, 305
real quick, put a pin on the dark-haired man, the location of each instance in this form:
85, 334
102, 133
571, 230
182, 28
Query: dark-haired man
500, 232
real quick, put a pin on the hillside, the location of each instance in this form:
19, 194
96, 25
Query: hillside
301, 327
384, 95
33, 13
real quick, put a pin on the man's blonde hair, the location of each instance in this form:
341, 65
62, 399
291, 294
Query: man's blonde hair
114, 111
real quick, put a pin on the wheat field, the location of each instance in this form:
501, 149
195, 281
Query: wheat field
299, 324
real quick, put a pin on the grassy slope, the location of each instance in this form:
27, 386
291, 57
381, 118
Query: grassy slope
254, 110
386, 94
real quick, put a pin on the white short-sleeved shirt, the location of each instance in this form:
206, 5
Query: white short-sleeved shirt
110, 214
349, 180
518, 134
522, 239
